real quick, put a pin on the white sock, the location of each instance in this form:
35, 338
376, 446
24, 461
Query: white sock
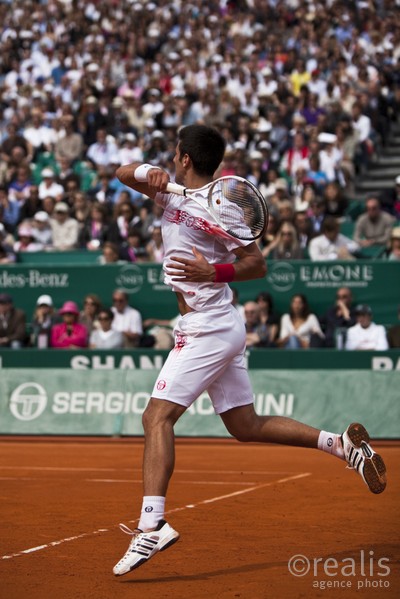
152, 512
331, 443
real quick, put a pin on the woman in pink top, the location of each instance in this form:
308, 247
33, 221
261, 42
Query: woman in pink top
69, 334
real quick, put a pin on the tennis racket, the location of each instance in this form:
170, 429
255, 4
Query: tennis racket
235, 205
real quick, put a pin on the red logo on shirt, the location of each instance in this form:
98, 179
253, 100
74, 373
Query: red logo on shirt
195, 222
161, 385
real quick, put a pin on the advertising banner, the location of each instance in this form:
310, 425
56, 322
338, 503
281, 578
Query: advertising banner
96, 402
368, 279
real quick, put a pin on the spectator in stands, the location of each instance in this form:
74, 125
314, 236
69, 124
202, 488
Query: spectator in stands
70, 334
338, 318
70, 146
366, 335
316, 214
64, 228
335, 201
44, 319
295, 156
41, 229
110, 254
162, 331
15, 140
94, 230
12, 323
26, 240
91, 309
80, 209
31, 205
7, 254
267, 315
104, 150
9, 211
304, 227
373, 227
49, 187
331, 244
257, 332
299, 327
133, 250
393, 252
19, 187
390, 199
393, 334
127, 320
105, 337
155, 247
125, 218
286, 244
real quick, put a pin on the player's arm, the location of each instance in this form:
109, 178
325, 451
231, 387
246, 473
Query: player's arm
144, 178
250, 264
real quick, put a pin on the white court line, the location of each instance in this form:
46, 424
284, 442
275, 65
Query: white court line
177, 509
179, 482
71, 469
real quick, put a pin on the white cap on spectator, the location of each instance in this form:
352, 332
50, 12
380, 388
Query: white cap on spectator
266, 71
118, 102
47, 172
255, 155
264, 145
61, 207
327, 138
44, 300
41, 216
93, 67
263, 126
397, 180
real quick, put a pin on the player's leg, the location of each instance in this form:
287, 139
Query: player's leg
153, 533
353, 445
159, 419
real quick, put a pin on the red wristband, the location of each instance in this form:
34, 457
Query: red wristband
224, 273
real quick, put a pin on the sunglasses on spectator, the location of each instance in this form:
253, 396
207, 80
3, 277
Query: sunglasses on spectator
104, 318
118, 300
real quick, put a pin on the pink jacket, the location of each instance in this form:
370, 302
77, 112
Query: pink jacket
60, 338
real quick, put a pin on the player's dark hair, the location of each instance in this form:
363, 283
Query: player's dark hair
204, 145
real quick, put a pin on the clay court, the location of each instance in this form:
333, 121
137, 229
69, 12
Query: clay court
243, 512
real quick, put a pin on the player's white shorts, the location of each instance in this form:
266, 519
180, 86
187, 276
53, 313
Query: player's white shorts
208, 356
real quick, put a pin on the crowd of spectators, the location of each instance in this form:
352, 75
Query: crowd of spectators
304, 93
344, 325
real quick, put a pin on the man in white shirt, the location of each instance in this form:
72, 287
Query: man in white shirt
127, 320
64, 228
331, 244
366, 334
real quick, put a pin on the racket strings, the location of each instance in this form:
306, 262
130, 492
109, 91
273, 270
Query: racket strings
239, 207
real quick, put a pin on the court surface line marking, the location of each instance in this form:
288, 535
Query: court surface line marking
183, 471
174, 510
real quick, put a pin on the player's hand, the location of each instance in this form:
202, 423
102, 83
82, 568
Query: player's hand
196, 271
157, 179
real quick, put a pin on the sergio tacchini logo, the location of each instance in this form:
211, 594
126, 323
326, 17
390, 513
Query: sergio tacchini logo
28, 401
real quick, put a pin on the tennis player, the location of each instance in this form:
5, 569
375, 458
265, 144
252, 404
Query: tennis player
210, 342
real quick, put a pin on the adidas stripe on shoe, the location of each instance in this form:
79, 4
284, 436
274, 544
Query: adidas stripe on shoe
144, 545
363, 459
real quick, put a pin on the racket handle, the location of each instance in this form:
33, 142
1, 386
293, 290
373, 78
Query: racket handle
175, 188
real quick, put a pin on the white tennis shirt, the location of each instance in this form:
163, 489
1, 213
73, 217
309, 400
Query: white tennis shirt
185, 225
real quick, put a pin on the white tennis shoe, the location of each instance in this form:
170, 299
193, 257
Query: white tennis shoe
363, 459
144, 545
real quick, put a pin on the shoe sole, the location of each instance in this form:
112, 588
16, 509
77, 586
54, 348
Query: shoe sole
374, 467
